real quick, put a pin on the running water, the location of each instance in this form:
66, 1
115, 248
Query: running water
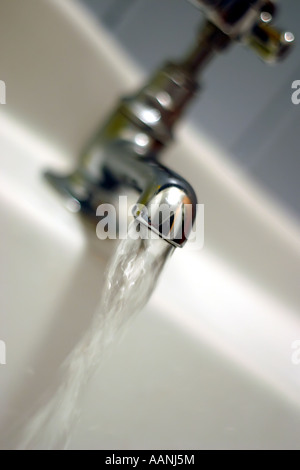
131, 279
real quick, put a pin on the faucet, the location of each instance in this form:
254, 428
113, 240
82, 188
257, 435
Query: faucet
126, 150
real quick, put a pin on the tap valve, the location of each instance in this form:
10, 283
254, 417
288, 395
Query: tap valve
250, 22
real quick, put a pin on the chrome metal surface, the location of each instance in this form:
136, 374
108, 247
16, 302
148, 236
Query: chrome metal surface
125, 151
170, 212
166, 202
270, 44
246, 21
235, 17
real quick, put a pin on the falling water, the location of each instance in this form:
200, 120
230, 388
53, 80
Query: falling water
131, 279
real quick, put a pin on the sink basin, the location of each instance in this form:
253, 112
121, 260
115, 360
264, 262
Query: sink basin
208, 363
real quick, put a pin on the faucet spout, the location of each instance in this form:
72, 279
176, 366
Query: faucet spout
167, 204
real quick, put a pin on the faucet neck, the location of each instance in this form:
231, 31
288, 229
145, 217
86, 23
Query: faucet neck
160, 104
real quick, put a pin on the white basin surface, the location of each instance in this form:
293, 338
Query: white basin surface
208, 363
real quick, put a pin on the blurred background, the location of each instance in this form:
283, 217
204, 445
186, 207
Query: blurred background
245, 106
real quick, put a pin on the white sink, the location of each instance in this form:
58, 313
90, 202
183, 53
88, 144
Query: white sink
208, 364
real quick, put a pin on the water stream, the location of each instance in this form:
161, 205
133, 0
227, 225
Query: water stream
131, 279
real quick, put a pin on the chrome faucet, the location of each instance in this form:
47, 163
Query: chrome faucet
125, 151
